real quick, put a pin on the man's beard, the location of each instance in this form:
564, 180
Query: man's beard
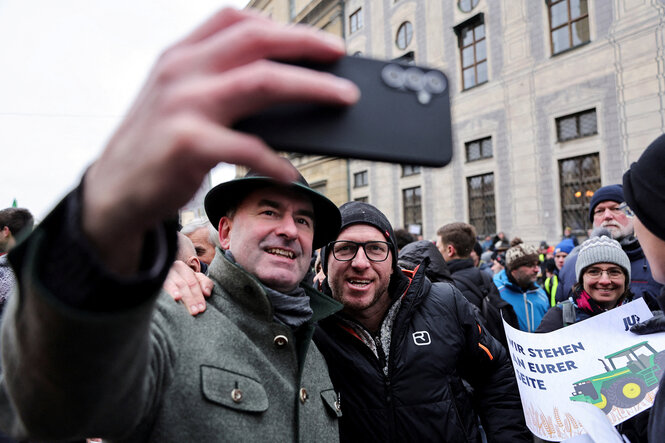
526, 281
617, 231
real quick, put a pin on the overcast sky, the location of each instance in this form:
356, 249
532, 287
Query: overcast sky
69, 70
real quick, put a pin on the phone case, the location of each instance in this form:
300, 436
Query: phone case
402, 116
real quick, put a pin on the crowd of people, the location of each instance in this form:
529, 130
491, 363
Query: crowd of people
303, 321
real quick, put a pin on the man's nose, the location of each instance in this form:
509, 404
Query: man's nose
287, 227
360, 260
608, 214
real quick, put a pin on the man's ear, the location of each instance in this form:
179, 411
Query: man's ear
224, 229
450, 250
194, 263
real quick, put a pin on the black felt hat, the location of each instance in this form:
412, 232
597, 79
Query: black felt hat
228, 195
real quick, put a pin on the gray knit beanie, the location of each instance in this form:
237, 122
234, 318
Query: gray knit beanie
601, 250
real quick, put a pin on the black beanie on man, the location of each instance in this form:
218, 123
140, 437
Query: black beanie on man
355, 212
612, 193
644, 187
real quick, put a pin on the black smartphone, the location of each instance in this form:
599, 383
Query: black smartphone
403, 116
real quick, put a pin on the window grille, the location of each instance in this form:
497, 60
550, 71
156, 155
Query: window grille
482, 212
360, 179
579, 178
581, 124
473, 51
569, 24
356, 20
410, 170
412, 203
478, 149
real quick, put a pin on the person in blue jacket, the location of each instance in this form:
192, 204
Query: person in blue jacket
517, 285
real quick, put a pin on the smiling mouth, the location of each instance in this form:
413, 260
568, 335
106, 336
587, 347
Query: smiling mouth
281, 253
361, 283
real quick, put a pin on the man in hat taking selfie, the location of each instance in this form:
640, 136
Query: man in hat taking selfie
92, 349
246, 365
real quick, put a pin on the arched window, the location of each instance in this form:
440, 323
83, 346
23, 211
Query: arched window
466, 5
404, 35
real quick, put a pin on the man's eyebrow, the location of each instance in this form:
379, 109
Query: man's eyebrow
306, 213
277, 205
271, 203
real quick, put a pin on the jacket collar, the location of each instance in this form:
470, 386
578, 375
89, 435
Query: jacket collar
247, 291
460, 263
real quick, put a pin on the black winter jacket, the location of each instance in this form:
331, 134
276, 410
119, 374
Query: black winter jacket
436, 342
413, 254
483, 285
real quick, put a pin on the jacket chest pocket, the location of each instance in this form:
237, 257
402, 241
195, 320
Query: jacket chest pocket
233, 390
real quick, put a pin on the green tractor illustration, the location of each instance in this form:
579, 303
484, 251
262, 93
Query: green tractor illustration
631, 373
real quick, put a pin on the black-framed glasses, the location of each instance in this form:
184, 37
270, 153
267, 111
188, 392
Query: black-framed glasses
345, 250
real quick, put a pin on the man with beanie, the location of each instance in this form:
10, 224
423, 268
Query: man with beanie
398, 351
608, 210
644, 186
400, 347
517, 285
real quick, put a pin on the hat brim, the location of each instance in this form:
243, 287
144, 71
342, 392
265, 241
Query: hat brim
226, 196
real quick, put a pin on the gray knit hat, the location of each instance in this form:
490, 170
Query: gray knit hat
520, 255
601, 250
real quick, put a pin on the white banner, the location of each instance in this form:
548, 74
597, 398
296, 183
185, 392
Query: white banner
596, 362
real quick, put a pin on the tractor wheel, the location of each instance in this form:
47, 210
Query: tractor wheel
603, 404
626, 392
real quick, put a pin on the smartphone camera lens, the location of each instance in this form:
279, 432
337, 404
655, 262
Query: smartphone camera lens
393, 76
414, 79
435, 82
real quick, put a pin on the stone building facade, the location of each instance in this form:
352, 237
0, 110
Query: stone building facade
550, 100
327, 175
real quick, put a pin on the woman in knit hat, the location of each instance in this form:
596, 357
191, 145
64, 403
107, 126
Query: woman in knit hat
603, 274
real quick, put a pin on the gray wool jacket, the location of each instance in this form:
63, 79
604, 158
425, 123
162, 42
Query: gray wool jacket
154, 373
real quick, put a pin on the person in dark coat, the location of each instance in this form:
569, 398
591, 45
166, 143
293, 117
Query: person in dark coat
400, 349
603, 272
413, 254
455, 241
644, 186
89, 346
608, 210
